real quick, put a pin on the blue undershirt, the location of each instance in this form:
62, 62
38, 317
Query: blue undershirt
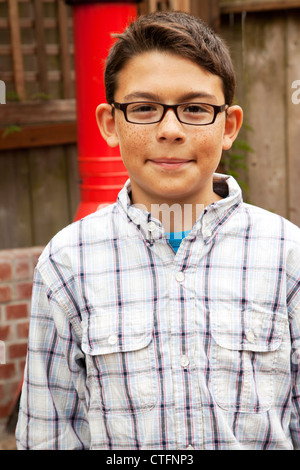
175, 238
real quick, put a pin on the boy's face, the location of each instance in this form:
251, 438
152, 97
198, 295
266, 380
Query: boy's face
169, 162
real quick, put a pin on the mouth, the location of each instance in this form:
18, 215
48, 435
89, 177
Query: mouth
171, 164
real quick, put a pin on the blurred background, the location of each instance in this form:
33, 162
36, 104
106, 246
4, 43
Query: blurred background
42, 177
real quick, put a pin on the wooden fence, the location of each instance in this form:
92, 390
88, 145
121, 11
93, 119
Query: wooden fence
38, 159
38, 172
265, 44
38, 155
36, 49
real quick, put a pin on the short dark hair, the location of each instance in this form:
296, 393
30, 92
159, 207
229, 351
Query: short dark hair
177, 33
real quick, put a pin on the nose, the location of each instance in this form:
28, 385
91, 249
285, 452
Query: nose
170, 129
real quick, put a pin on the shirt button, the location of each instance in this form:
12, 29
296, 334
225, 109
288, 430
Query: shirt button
179, 276
184, 361
250, 336
190, 447
151, 226
112, 339
207, 233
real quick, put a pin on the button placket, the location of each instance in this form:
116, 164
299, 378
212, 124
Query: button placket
184, 361
151, 226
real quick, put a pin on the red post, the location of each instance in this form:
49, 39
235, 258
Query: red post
101, 170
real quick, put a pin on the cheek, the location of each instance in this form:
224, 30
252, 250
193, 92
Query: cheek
132, 140
209, 144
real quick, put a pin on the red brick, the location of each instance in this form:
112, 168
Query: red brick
4, 332
22, 268
16, 351
24, 290
5, 409
7, 371
16, 311
5, 294
23, 329
5, 271
13, 388
8, 390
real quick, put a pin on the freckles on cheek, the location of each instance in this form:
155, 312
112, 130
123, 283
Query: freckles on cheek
212, 141
132, 139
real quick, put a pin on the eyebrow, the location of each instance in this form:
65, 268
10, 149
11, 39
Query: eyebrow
154, 97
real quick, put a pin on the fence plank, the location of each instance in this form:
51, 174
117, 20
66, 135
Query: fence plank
16, 48
265, 110
15, 212
39, 136
48, 193
35, 112
208, 11
293, 118
235, 6
183, 5
65, 49
41, 46
44, 195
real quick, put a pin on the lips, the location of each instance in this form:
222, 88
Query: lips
171, 164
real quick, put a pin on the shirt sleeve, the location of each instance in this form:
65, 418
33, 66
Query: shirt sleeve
293, 303
295, 371
53, 414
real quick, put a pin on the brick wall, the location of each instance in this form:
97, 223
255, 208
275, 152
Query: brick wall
16, 276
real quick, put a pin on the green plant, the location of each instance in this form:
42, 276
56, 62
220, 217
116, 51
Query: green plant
10, 130
40, 96
12, 96
234, 160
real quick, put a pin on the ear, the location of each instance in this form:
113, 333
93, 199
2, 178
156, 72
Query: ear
234, 120
106, 124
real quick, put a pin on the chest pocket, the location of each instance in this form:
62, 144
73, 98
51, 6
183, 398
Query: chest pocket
120, 361
244, 364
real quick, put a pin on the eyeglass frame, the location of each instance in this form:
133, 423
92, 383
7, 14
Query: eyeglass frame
123, 107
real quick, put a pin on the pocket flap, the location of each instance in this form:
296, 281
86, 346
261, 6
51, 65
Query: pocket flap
250, 331
107, 333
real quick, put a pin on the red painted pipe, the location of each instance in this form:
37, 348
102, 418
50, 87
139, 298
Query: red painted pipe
101, 170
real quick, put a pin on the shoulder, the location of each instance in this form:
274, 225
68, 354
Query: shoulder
263, 219
65, 247
272, 229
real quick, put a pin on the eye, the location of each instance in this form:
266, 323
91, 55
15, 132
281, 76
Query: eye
194, 108
142, 108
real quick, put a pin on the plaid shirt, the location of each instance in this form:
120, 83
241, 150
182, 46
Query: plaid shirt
134, 347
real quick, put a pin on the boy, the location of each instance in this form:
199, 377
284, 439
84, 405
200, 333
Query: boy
135, 344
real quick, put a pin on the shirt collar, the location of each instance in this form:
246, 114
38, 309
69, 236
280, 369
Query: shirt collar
208, 223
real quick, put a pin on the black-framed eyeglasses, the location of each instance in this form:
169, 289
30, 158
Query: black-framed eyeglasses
147, 112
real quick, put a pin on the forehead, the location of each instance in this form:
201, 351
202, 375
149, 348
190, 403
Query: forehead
167, 76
